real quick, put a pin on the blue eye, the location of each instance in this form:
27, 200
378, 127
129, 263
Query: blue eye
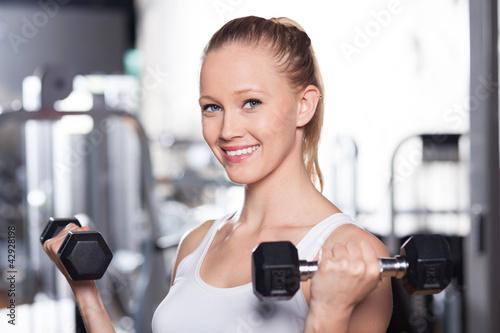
211, 108
252, 103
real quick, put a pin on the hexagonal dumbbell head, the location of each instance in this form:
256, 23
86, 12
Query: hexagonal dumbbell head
275, 270
429, 264
85, 255
55, 225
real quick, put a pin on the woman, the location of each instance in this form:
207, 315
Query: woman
261, 99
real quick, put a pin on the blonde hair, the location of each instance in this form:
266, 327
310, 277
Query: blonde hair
292, 49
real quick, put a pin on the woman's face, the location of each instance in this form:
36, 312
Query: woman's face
249, 113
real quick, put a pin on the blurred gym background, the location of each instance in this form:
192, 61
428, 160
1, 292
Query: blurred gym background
99, 119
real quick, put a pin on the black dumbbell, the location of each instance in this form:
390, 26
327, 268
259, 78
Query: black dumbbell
84, 254
424, 265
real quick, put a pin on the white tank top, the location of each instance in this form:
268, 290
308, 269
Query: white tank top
194, 306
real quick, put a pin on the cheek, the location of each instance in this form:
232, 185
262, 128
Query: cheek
210, 136
209, 131
278, 124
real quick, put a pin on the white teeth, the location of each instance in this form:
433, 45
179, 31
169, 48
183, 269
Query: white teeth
242, 151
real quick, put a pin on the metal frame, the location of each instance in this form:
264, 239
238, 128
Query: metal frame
142, 309
437, 139
483, 250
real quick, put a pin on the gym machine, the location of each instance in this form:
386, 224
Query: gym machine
429, 194
100, 175
482, 245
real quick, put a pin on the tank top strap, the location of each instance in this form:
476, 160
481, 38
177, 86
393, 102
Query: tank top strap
312, 242
189, 263
207, 240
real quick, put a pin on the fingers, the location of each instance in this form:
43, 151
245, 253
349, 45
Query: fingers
347, 273
353, 260
51, 246
342, 260
349, 257
357, 264
370, 258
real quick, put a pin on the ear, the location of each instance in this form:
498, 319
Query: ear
309, 98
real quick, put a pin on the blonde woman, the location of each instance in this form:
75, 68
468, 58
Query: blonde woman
261, 101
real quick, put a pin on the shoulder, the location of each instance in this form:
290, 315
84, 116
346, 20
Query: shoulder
193, 238
190, 241
351, 232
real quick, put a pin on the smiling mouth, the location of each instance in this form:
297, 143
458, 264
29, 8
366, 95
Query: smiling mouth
243, 151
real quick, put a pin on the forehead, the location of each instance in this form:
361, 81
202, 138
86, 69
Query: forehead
236, 65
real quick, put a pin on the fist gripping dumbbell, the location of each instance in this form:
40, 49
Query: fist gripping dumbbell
424, 265
84, 254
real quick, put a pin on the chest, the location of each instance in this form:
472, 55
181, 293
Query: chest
227, 262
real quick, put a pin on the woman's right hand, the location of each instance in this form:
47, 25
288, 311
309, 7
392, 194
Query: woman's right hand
51, 246
86, 293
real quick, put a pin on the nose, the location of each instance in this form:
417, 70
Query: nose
232, 126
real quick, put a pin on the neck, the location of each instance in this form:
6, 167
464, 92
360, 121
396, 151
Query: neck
284, 198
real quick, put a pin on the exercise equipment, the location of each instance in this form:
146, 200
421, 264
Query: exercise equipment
84, 254
429, 194
424, 265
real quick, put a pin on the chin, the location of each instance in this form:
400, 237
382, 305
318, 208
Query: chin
242, 179
238, 180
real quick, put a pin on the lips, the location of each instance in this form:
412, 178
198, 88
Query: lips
238, 153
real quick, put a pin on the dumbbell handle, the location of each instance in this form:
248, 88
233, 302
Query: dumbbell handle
393, 267
389, 267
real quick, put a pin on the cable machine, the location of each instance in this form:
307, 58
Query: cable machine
429, 194
94, 165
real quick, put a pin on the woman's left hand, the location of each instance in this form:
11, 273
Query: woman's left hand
347, 274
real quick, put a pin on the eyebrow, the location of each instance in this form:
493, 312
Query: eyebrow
237, 92
242, 91
207, 97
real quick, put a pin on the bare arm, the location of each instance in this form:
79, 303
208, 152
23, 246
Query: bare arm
346, 293
86, 293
